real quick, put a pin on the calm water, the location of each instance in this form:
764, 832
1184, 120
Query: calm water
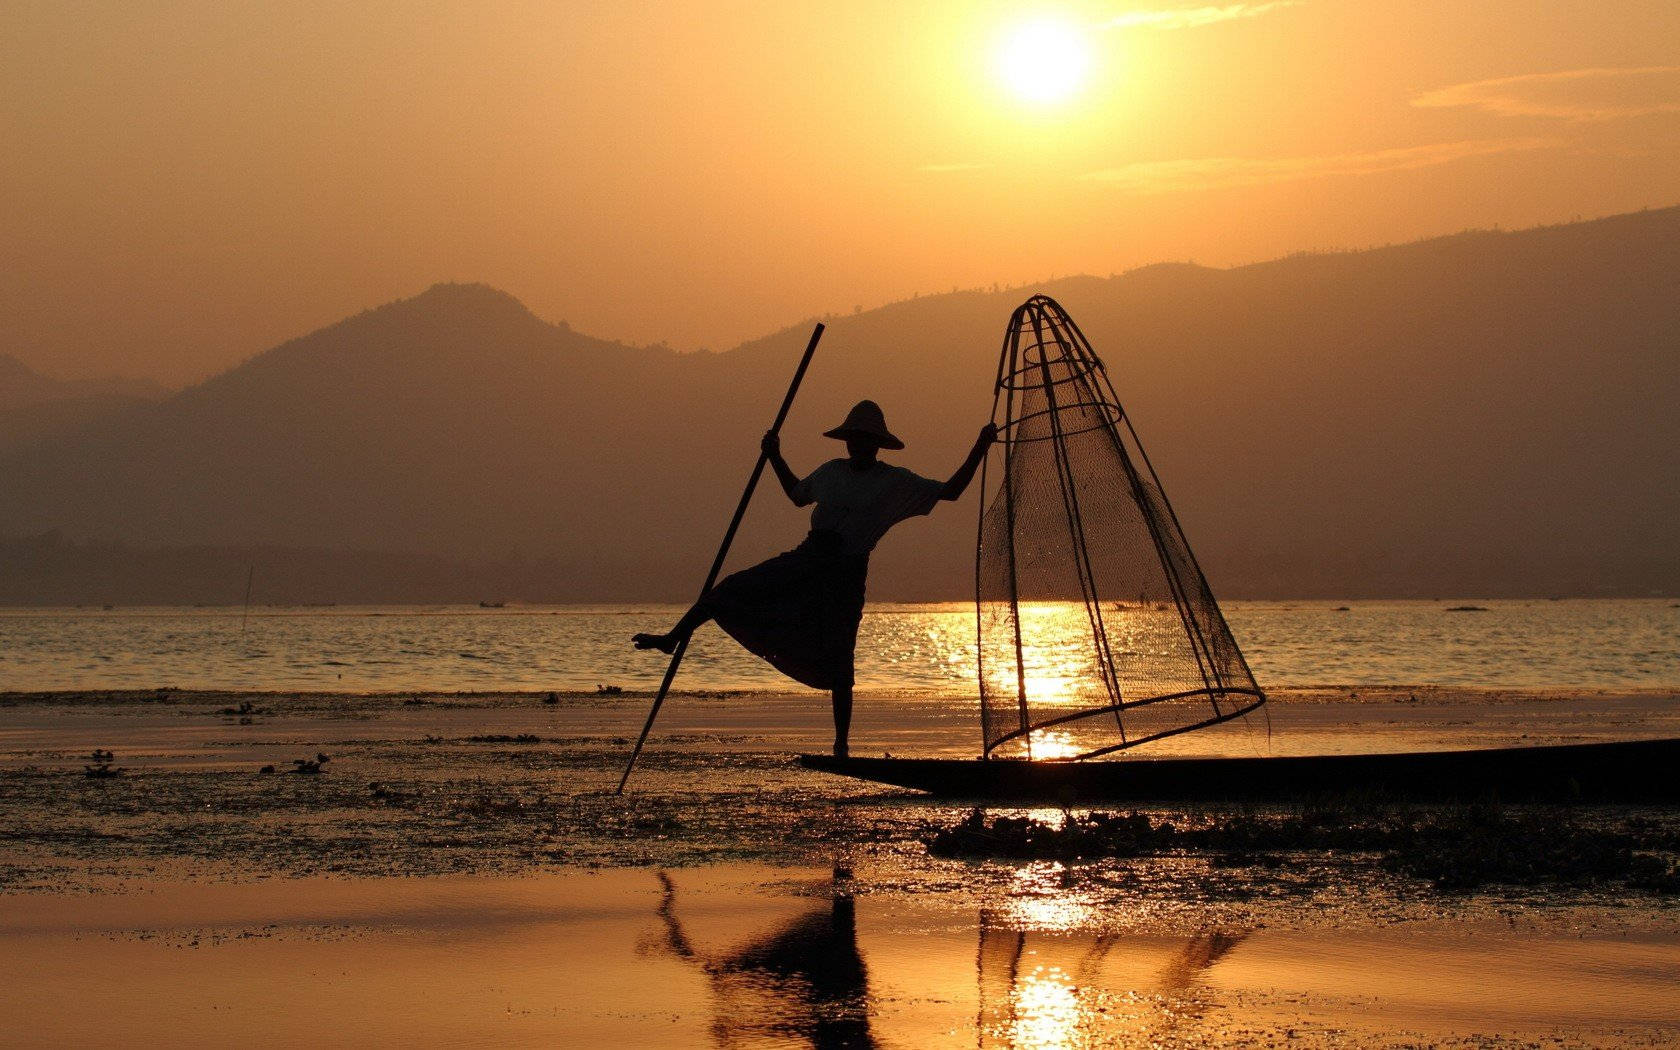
903, 648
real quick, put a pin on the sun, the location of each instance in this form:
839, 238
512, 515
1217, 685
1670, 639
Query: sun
1044, 61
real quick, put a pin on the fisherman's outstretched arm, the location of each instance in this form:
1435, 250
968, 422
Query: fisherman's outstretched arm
959, 481
772, 446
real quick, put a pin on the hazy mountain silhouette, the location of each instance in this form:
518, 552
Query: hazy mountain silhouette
1483, 414
33, 405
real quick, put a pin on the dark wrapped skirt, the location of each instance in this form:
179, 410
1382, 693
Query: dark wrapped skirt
799, 610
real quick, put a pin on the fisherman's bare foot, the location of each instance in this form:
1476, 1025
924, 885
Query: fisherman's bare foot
840, 749
665, 643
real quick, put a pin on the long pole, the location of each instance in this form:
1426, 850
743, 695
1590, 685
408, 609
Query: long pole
723, 552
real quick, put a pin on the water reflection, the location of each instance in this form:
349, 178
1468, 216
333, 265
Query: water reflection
803, 982
1041, 980
1047, 991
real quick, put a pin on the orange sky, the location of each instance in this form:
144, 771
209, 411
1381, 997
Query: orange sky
188, 183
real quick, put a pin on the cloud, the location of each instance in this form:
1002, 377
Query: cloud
1194, 17
938, 168
1173, 176
1573, 94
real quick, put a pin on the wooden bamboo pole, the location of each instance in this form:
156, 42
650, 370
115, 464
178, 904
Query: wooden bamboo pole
723, 552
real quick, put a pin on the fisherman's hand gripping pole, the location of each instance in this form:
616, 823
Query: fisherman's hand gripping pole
723, 550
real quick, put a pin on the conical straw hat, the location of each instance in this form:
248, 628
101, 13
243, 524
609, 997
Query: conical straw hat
866, 421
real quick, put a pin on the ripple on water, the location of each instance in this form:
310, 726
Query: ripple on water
905, 649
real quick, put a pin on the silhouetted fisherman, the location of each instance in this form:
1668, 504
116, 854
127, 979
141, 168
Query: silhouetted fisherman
800, 610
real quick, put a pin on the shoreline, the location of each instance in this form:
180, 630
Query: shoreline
1286, 694
416, 783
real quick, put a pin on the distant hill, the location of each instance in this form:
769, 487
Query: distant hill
33, 405
1479, 415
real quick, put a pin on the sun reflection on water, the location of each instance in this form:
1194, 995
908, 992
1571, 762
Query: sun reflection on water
1056, 654
1045, 1010
1060, 665
1040, 897
1054, 744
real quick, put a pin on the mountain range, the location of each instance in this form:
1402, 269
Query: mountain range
1485, 414
33, 405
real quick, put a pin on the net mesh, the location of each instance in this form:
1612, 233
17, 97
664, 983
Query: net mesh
1097, 629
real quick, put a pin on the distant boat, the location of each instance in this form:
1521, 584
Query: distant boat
492, 605
1067, 677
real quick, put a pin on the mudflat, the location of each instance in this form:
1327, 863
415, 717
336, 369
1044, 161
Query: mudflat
457, 872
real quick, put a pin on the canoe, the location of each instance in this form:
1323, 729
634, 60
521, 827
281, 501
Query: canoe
1622, 771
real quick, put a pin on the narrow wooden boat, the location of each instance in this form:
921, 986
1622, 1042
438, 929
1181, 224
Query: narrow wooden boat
1635, 771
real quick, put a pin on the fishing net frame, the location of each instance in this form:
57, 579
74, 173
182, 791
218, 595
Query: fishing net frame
1102, 530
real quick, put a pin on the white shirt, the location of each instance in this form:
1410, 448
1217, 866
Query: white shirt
861, 505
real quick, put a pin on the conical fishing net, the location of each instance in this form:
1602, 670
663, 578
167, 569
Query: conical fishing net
1097, 629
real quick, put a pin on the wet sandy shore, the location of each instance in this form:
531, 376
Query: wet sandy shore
458, 872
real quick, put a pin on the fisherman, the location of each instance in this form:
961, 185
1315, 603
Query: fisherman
800, 610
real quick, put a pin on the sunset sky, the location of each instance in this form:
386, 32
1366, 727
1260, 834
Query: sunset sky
188, 183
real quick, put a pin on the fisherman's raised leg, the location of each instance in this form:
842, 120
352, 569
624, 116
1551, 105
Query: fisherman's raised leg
668, 642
